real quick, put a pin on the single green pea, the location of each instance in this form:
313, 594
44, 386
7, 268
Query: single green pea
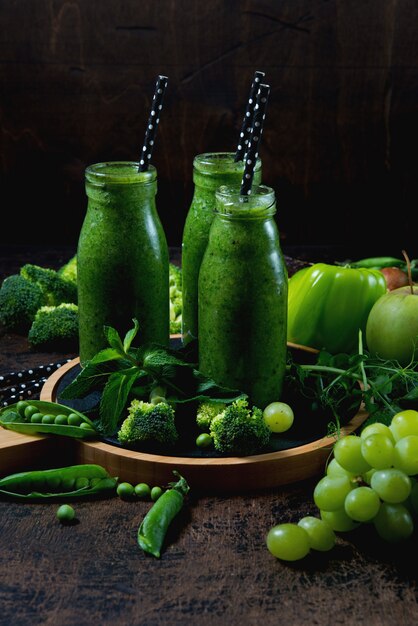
142, 490
204, 440
68, 483
48, 419
21, 406
61, 419
125, 490
36, 418
81, 482
86, 426
53, 482
156, 492
65, 513
74, 419
95, 481
30, 410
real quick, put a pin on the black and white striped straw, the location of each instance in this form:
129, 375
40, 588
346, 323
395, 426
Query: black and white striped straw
244, 136
255, 137
153, 120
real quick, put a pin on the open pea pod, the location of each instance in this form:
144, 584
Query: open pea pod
74, 481
39, 416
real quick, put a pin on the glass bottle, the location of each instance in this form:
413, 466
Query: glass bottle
210, 171
243, 297
122, 258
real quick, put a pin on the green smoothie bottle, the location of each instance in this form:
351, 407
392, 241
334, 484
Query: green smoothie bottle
243, 297
210, 171
122, 258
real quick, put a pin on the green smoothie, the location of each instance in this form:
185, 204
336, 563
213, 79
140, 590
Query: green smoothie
243, 297
122, 258
210, 171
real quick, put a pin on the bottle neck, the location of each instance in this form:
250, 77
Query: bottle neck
120, 181
213, 169
259, 205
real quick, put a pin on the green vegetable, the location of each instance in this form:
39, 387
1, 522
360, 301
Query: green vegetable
153, 529
142, 490
65, 513
55, 328
381, 262
328, 304
122, 373
176, 301
204, 440
239, 430
125, 490
53, 484
19, 301
149, 422
69, 270
55, 288
18, 417
156, 493
205, 413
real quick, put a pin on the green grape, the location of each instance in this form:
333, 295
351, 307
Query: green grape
338, 520
347, 451
377, 428
278, 416
393, 522
404, 423
330, 492
406, 455
378, 451
367, 476
362, 504
335, 469
391, 485
321, 535
288, 542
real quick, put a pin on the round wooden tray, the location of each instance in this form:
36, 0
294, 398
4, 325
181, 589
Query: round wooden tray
226, 474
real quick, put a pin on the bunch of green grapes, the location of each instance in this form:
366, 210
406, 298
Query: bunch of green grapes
372, 478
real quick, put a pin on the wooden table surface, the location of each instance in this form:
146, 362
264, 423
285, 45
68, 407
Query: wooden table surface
215, 568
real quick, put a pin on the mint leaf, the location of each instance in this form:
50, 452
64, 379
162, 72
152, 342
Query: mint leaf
93, 376
130, 335
114, 398
113, 338
108, 354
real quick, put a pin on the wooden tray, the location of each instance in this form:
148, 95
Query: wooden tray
231, 474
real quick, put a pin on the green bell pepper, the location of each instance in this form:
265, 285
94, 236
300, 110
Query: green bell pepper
328, 304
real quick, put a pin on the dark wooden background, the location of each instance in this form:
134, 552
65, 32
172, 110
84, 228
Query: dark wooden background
341, 134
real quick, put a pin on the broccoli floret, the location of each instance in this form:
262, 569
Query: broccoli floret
19, 301
55, 288
176, 302
239, 430
205, 413
69, 270
152, 423
55, 328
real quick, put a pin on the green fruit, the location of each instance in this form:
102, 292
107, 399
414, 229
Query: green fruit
392, 326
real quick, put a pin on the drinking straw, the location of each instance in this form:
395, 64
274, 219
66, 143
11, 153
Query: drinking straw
153, 119
255, 137
244, 135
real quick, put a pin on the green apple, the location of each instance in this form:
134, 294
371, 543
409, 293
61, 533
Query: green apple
392, 325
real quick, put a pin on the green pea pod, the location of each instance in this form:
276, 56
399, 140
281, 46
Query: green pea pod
153, 528
378, 262
12, 419
74, 481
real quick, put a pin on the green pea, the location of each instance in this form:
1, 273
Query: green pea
86, 426
68, 483
30, 410
21, 406
53, 482
95, 481
65, 513
142, 490
61, 419
156, 492
36, 418
81, 482
204, 440
74, 419
125, 490
48, 419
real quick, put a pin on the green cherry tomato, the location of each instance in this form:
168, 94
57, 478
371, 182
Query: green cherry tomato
125, 490
65, 513
278, 416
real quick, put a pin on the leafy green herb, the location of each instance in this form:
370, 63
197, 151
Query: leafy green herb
121, 372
